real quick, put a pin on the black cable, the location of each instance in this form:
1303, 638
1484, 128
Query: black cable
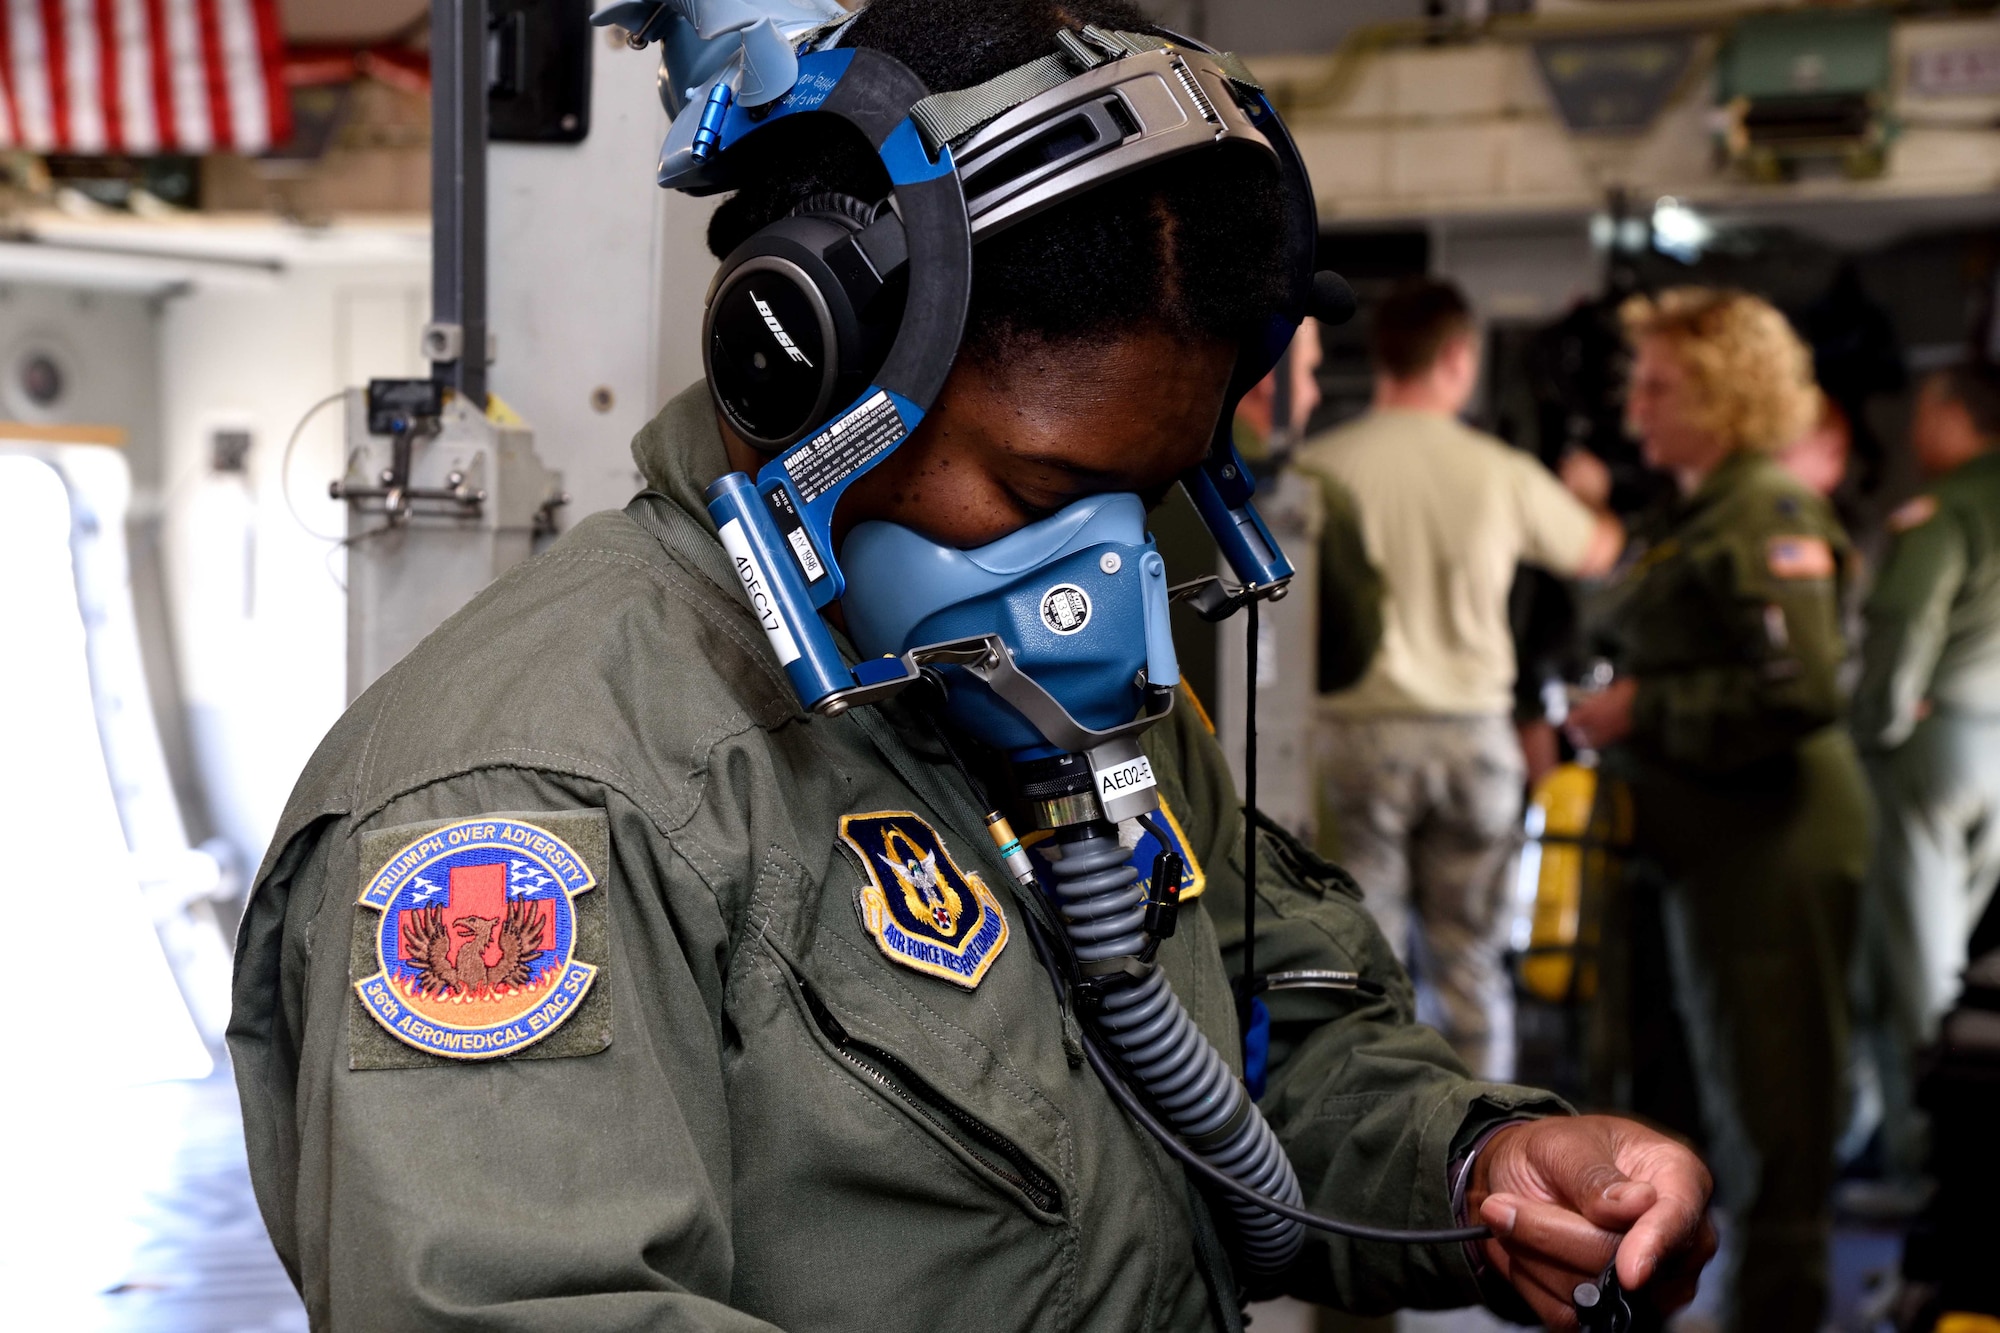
1247, 993
1115, 1084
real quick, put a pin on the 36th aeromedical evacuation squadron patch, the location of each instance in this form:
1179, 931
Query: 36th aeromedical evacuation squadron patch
477, 939
923, 911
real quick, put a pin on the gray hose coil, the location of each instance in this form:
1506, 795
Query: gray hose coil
1104, 913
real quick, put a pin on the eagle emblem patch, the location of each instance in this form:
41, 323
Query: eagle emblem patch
923, 911
476, 945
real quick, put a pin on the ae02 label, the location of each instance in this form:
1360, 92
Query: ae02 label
1065, 608
1120, 779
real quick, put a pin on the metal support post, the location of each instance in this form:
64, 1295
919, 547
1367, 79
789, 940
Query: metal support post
456, 339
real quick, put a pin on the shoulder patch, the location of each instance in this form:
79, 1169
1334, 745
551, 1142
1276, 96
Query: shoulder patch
923, 911
1799, 557
1913, 513
479, 938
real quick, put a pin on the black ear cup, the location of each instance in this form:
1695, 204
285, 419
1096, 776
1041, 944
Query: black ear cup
800, 318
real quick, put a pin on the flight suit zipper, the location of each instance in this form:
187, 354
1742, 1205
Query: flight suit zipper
981, 1143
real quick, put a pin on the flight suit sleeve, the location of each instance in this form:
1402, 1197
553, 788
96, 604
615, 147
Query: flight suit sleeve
1371, 1106
1905, 621
548, 1189
1350, 591
1761, 610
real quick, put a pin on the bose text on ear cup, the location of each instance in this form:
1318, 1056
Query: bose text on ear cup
801, 315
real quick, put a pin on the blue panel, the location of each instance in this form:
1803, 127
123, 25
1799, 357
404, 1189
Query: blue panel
777, 591
1257, 1049
903, 153
818, 75
1239, 532
1162, 664
874, 670
817, 511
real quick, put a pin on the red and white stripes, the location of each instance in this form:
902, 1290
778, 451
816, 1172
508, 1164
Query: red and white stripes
142, 76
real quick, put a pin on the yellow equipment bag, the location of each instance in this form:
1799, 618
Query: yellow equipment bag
1578, 827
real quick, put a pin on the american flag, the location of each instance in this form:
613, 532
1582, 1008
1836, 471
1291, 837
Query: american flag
142, 76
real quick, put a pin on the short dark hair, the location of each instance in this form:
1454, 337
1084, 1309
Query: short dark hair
1975, 386
1190, 246
1415, 323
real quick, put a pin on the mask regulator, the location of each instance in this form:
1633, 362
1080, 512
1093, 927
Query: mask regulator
828, 336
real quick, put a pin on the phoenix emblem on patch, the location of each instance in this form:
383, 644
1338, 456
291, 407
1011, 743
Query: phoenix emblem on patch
923, 911
477, 940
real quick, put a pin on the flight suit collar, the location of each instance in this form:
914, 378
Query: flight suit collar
679, 452
1979, 465
1732, 472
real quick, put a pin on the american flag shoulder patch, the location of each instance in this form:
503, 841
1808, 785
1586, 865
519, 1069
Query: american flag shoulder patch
1799, 557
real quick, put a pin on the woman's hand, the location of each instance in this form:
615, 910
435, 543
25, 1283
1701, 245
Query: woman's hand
1564, 1195
1604, 718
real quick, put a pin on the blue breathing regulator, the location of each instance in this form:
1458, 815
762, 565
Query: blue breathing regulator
827, 337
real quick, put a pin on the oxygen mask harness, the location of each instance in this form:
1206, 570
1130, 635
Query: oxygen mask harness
829, 334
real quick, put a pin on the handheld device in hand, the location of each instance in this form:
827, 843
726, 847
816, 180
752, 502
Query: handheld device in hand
1604, 1306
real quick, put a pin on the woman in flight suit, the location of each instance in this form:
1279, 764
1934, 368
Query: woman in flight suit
1725, 719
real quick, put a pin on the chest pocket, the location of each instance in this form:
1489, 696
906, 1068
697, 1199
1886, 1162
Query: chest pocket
978, 1069
1679, 610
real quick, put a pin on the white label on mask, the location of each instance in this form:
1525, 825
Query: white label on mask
808, 558
1065, 608
758, 588
1123, 779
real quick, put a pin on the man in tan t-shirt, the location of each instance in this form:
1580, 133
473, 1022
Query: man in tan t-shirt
1420, 768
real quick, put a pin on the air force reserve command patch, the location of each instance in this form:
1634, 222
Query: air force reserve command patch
923, 911
471, 938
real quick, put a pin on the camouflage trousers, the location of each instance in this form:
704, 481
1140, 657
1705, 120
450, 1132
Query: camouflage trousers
1937, 856
1424, 812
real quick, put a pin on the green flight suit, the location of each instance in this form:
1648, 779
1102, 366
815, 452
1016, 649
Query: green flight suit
703, 1143
1351, 589
1747, 795
1927, 719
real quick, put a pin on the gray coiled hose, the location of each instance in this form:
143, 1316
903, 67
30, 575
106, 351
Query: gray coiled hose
1104, 913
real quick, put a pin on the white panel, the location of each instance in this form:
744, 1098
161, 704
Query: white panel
69, 869
378, 332
264, 682
597, 279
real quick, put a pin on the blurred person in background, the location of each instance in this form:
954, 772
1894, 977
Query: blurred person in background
1349, 613
1927, 719
1820, 455
1419, 764
1725, 719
